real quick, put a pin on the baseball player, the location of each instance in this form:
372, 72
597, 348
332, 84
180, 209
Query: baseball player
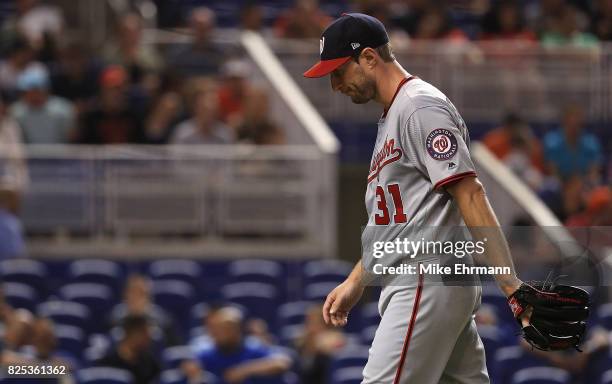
421, 174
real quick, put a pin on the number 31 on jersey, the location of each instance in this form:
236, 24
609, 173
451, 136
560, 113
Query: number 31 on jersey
383, 217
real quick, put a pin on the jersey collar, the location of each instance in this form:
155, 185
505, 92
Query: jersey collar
399, 86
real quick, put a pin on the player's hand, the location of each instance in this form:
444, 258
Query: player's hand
340, 301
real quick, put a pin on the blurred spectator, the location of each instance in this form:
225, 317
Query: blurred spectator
256, 127
201, 57
74, 76
204, 126
570, 151
505, 22
137, 301
18, 56
598, 210
140, 60
233, 91
302, 21
44, 344
35, 21
112, 120
132, 352
258, 329
601, 21
515, 144
13, 181
316, 347
435, 24
163, 115
234, 358
251, 17
18, 330
565, 31
43, 118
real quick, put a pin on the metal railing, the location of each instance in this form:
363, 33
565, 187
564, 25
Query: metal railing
484, 80
199, 201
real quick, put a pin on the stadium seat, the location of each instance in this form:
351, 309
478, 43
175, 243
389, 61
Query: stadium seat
606, 377
188, 271
20, 296
172, 357
508, 360
490, 336
367, 334
175, 376
318, 291
103, 375
98, 298
330, 271
65, 312
353, 355
264, 271
290, 320
494, 297
98, 271
70, 340
348, 375
197, 313
26, 271
604, 316
541, 375
370, 314
176, 297
260, 299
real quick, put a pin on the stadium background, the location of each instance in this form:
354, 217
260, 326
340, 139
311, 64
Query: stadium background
265, 212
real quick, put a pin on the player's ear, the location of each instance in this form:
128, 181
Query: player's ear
369, 58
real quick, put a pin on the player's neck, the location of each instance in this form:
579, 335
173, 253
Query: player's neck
386, 85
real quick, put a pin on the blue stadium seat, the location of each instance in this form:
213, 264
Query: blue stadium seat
26, 271
257, 271
353, 355
491, 339
20, 296
541, 375
290, 320
98, 298
367, 334
175, 376
98, 271
176, 297
260, 299
370, 314
188, 271
606, 377
318, 291
599, 362
604, 316
172, 357
65, 312
348, 375
494, 297
103, 375
70, 340
197, 313
330, 271
509, 360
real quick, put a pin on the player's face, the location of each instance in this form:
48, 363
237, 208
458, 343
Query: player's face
351, 80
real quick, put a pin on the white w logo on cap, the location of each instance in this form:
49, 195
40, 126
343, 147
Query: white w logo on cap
321, 45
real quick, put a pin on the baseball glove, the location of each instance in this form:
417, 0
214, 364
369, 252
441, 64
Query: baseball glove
558, 314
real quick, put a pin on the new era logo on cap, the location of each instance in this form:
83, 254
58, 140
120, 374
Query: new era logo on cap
346, 37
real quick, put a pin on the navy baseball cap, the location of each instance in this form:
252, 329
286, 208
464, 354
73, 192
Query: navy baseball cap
346, 37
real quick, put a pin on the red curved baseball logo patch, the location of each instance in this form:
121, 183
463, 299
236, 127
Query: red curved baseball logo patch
441, 144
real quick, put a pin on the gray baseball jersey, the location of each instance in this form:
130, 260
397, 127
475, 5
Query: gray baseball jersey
427, 333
